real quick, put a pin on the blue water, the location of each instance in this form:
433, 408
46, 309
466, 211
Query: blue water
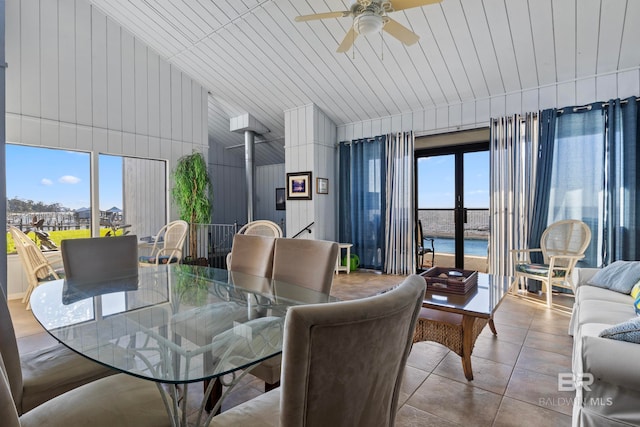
477, 247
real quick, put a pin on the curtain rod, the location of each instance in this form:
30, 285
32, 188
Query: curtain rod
588, 107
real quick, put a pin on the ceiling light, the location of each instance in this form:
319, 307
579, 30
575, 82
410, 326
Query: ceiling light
368, 23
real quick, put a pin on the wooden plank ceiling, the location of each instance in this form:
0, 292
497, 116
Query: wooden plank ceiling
254, 58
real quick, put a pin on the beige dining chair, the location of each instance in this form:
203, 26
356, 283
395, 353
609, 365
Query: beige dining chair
253, 257
260, 227
39, 376
120, 400
304, 262
325, 351
562, 245
167, 245
36, 266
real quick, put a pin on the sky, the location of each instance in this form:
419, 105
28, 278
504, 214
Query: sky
60, 176
436, 181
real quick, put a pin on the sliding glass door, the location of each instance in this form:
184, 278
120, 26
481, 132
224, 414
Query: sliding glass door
452, 186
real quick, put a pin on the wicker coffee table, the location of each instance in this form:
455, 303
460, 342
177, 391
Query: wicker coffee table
455, 321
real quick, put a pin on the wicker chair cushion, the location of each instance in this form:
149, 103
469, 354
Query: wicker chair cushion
162, 260
50, 277
539, 270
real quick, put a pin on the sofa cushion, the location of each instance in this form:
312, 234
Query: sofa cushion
584, 293
626, 331
611, 313
619, 276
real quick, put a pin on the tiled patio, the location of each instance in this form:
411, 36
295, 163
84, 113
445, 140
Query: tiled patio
515, 374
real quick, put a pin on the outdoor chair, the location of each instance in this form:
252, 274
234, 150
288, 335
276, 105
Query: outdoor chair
562, 245
37, 267
167, 245
421, 249
342, 363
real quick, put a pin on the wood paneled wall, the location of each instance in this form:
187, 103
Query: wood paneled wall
476, 113
226, 169
268, 178
310, 138
77, 80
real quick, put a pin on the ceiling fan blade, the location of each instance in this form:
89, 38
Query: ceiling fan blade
348, 40
408, 4
325, 15
400, 32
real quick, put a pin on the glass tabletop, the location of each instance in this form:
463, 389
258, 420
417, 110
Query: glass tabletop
172, 324
481, 300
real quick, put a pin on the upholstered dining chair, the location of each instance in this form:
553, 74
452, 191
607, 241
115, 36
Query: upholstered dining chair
562, 245
253, 257
260, 227
324, 351
167, 245
120, 400
100, 260
304, 262
36, 266
39, 376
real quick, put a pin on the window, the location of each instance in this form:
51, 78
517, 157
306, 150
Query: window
49, 192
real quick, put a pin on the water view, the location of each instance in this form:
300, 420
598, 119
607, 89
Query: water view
475, 247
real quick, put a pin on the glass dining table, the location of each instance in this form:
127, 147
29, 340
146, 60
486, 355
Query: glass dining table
174, 325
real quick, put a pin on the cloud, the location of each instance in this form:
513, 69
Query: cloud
46, 181
69, 179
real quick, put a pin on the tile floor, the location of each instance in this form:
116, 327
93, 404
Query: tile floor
515, 373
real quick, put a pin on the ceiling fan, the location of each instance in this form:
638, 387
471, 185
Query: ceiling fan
370, 17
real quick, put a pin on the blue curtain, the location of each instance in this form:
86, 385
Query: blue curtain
622, 205
539, 216
362, 199
593, 176
577, 175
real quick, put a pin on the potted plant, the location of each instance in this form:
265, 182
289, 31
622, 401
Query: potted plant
192, 194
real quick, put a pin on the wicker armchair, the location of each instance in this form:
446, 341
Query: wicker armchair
167, 246
36, 266
562, 245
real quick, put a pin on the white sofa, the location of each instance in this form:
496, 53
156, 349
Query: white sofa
613, 399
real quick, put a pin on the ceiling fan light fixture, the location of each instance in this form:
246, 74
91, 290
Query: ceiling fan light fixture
368, 23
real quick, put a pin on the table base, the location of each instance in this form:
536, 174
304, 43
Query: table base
457, 332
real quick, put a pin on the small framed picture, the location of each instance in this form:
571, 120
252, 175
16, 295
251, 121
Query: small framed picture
299, 186
280, 199
322, 185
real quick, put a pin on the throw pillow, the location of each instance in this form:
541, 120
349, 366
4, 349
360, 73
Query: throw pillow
625, 331
635, 291
619, 276
636, 304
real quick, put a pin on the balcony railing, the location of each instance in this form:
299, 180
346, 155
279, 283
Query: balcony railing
441, 223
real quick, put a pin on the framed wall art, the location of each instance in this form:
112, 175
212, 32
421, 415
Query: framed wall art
299, 186
322, 185
281, 199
